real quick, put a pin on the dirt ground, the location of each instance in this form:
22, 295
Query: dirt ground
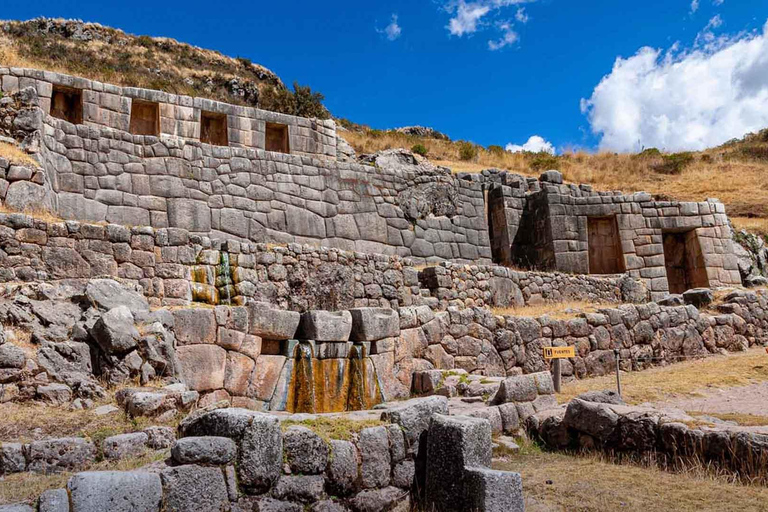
752, 399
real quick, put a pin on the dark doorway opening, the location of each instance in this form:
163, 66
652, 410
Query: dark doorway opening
605, 255
213, 128
684, 261
67, 104
501, 245
277, 138
145, 118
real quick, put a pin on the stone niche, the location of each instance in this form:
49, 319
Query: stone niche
277, 138
145, 118
67, 104
605, 256
213, 128
684, 261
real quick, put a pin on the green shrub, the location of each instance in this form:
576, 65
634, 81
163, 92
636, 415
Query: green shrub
244, 61
496, 150
301, 102
420, 149
544, 162
467, 151
674, 163
649, 153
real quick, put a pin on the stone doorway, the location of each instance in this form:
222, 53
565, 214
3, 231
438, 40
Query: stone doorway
276, 138
684, 261
605, 256
145, 118
67, 104
501, 245
213, 129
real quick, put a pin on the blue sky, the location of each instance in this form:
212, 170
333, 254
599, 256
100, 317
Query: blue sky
491, 71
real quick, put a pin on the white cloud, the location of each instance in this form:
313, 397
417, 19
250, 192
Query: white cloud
393, 30
694, 5
470, 17
509, 36
467, 17
679, 100
718, 2
535, 144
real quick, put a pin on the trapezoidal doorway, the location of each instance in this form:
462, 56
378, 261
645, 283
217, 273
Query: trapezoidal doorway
605, 256
684, 262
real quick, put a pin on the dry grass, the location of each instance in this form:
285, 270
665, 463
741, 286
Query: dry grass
16, 155
26, 487
679, 379
745, 420
556, 481
27, 422
753, 225
556, 311
39, 214
335, 427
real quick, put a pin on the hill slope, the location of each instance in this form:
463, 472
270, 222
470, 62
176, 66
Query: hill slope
106, 54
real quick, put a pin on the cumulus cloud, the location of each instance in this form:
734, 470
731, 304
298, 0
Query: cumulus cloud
391, 31
683, 99
535, 144
470, 17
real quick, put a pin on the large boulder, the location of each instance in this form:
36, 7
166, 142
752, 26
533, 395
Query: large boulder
699, 297
494, 491
373, 324
115, 331
272, 324
124, 446
116, 491
595, 419
204, 450
193, 488
203, 367
56, 455
414, 417
325, 326
305, 451
106, 294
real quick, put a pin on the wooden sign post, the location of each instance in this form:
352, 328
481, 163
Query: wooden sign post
558, 353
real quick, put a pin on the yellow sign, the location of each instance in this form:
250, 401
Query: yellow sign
559, 352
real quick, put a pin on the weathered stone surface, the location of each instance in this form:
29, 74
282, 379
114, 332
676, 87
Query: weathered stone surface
516, 389
16, 507
272, 324
124, 445
272, 505
115, 332
12, 458
373, 324
510, 420
414, 417
53, 500
493, 415
375, 458
230, 422
454, 443
494, 491
55, 455
403, 473
194, 488
597, 420
107, 294
699, 297
194, 326
204, 450
160, 438
305, 451
325, 326
303, 488
11, 356
601, 397
378, 500
55, 394
343, 464
261, 453
116, 491
203, 367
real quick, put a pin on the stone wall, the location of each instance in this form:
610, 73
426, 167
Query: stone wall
174, 267
394, 204
669, 438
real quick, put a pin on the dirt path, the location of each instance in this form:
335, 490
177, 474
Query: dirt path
752, 399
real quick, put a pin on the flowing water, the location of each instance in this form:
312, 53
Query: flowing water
332, 385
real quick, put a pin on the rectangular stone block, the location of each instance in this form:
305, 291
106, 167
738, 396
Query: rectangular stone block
373, 324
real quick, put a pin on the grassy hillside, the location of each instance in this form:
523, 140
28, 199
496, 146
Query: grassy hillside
109, 55
736, 172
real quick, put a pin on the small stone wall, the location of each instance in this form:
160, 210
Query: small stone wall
243, 460
669, 437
